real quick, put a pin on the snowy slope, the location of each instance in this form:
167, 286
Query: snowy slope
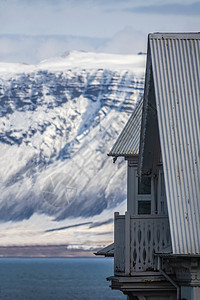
58, 121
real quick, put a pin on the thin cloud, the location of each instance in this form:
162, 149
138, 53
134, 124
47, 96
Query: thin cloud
67, 227
92, 225
62, 250
97, 224
169, 9
33, 49
126, 41
104, 233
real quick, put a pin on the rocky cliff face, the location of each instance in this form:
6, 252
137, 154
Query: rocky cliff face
57, 124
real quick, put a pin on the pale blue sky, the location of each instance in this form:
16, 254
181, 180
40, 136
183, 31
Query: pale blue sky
111, 25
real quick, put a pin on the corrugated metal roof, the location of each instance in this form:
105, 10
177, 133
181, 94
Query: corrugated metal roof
175, 66
127, 143
107, 251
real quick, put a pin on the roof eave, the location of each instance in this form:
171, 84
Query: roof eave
122, 155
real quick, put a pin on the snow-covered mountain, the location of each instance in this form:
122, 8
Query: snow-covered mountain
58, 121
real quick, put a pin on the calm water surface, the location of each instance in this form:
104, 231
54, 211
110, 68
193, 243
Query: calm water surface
56, 279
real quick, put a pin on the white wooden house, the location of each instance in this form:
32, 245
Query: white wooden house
157, 241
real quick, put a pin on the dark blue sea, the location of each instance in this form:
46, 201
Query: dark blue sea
56, 279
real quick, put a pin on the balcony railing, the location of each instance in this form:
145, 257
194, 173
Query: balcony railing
137, 238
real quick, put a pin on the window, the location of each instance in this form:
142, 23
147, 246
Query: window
144, 207
144, 185
162, 201
144, 196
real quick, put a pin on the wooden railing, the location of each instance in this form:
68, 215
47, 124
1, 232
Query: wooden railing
136, 239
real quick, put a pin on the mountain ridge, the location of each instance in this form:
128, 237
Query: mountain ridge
56, 128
